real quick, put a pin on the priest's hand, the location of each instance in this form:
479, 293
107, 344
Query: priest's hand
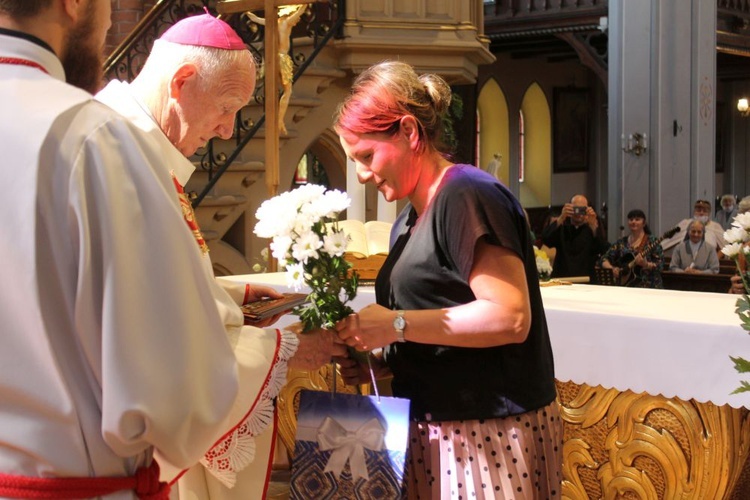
258, 292
316, 348
355, 373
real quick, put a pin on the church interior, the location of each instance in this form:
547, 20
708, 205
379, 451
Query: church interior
635, 104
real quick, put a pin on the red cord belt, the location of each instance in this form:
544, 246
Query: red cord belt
145, 483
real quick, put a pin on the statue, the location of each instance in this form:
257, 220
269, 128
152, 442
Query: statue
289, 15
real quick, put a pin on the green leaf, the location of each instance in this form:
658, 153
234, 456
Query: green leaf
740, 364
744, 387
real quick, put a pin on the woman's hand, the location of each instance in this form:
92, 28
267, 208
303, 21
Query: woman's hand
641, 261
370, 328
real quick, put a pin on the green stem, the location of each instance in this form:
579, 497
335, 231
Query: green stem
743, 275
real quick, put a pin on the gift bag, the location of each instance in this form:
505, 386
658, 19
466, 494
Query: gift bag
350, 446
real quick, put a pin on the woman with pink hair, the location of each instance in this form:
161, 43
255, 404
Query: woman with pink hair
459, 313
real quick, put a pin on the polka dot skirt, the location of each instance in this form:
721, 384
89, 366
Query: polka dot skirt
518, 457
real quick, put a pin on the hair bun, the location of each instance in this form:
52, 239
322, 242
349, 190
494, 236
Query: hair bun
438, 90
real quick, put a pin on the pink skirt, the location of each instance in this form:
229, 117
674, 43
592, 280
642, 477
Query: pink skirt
517, 457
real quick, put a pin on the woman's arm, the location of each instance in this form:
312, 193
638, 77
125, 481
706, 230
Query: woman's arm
501, 313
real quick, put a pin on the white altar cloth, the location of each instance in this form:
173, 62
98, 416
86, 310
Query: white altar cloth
672, 343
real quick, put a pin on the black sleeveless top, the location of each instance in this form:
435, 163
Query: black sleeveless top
428, 268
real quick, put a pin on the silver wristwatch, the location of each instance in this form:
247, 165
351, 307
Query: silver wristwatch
399, 324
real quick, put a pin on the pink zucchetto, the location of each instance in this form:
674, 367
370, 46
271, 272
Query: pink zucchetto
204, 30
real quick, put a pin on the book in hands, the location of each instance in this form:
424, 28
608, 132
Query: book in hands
368, 245
267, 307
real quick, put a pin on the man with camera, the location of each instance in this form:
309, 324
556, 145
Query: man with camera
577, 237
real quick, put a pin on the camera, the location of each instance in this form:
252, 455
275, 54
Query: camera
579, 210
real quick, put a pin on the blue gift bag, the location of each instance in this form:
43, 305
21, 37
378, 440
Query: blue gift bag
350, 446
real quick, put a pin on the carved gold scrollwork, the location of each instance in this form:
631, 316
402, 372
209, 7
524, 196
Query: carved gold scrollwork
649, 447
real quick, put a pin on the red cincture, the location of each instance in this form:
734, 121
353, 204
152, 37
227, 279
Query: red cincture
22, 62
145, 483
189, 215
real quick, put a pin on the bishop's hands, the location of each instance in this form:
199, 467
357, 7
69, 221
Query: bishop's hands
316, 348
355, 372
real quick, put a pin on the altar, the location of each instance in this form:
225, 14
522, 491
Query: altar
644, 381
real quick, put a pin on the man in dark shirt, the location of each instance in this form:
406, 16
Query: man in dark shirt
577, 239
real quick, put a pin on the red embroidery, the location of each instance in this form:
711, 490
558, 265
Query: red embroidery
22, 62
189, 215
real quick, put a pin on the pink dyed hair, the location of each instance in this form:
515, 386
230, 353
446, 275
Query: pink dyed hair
390, 90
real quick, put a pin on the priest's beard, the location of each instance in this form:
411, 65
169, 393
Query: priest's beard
82, 59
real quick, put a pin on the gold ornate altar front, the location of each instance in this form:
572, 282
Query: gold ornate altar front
619, 445
627, 445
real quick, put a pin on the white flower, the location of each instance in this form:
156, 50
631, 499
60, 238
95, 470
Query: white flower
736, 235
276, 217
306, 247
295, 276
542, 266
280, 247
307, 193
335, 243
742, 220
304, 223
731, 250
297, 221
333, 202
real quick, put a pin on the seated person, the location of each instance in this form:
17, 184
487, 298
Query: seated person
636, 260
744, 205
576, 238
727, 212
693, 255
713, 232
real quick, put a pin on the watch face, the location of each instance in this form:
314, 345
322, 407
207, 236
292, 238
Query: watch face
399, 323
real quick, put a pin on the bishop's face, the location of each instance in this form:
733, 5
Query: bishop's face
203, 110
82, 55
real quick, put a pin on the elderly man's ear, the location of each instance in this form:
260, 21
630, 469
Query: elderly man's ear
183, 75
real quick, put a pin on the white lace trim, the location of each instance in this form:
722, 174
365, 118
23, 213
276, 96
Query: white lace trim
237, 450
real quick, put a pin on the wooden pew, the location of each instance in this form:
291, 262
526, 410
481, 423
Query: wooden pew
718, 283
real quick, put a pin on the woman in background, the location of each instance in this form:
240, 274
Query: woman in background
692, 255
637, 259
459, 313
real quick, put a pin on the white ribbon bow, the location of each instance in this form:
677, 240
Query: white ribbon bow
349, 446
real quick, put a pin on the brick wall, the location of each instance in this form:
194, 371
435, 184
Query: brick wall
125, 16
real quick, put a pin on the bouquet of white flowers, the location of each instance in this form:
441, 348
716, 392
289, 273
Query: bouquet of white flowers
543, 267
310, 247
737, 237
